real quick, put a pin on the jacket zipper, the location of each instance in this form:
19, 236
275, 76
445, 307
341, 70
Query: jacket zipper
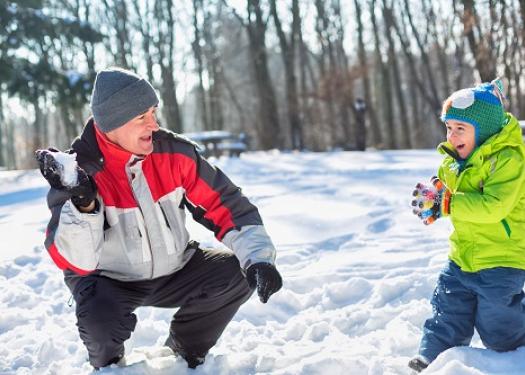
165, 216
461, 175
147, 236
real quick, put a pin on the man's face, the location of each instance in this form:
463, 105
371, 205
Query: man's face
462, 136
135, 135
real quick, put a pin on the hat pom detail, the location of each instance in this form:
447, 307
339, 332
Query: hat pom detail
499, 89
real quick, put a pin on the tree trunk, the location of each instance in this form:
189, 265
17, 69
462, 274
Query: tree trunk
269, 128
288, 50
484, 60
3, 125
37, 125
310, 103
373, 122
354, 134
144, 26
215, 73
69, 125
117, 17
393, 63
327, 91
11, 161
170, 109
197, 53
385, 85
164, 43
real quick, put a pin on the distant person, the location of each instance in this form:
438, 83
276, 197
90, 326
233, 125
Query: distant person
481, 187
119, 232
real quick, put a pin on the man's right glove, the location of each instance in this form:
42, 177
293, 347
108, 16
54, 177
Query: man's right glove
82, 193
264, 277
431, 202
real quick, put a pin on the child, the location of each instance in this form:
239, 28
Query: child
481, 186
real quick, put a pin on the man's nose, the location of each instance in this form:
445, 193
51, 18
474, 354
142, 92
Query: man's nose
152, 123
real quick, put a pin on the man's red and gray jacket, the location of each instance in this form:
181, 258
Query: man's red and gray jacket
138, 229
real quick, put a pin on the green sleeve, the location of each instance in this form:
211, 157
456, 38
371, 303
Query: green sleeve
501, 192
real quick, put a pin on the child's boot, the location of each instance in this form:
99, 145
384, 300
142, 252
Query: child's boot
418, 363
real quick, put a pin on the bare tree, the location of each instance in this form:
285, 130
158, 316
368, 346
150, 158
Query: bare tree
355, 133
198, 54
143, 22
326, 68
363, 61
117, 19
216, 78
388, 16
164, 43
481, 44
268, 125
383, 84
288, 53
315, 133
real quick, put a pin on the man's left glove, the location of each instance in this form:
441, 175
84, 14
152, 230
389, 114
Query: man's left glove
82, 193
431, 202
265, 278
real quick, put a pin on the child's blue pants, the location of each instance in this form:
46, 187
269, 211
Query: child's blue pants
490, 300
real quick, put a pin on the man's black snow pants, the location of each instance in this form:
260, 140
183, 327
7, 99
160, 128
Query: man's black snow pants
209, 290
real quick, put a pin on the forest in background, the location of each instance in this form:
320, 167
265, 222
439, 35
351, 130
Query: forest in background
291, 74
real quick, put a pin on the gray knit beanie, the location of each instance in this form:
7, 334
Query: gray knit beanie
118, 96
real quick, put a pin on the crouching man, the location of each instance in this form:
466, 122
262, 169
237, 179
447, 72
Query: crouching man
119, 231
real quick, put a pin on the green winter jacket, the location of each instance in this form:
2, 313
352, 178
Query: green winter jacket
488, 201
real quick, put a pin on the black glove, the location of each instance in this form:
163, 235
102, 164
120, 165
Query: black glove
81, 194
265, 278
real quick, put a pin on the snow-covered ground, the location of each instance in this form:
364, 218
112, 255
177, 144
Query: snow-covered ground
358, 272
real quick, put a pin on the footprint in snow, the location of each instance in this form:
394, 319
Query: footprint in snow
380, 226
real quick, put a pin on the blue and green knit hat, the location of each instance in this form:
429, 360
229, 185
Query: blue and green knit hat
480, 106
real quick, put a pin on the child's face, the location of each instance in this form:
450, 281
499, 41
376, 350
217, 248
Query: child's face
462, 136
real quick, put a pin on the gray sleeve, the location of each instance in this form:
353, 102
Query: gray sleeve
251, 244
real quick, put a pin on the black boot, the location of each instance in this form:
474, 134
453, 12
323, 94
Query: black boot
418, 363
193, 359
111, 362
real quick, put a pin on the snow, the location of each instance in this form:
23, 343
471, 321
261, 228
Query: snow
68, 171
358, 271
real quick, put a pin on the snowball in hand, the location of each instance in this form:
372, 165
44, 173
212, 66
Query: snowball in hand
68, 173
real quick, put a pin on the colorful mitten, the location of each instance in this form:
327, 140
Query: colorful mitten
431, 202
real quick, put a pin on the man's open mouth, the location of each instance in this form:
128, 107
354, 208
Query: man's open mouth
460, 147
146, 138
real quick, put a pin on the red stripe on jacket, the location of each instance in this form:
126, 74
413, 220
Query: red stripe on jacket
63, 264
166, 172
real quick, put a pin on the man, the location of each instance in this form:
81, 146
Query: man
119, 233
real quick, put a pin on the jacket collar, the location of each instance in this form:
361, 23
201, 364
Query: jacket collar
114, 155
94, 151
89, 156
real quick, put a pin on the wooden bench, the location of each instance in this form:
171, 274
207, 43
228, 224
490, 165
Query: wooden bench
219, 142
